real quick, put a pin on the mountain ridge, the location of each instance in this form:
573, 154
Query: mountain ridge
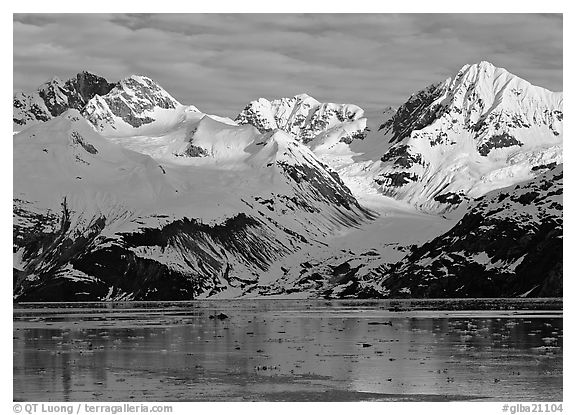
192, 205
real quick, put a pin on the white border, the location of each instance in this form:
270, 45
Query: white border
306, 6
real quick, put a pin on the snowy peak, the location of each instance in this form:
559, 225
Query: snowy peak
56, 96
468, 135
480, 93
501, 84
114, 109
146, 91
301, 116
484, 91
136, 101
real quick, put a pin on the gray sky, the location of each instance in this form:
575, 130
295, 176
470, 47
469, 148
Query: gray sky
220, 62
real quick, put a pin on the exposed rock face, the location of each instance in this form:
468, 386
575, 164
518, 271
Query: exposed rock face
89, 85
66, 266
55, 97
508, 244
418, 112
28, 109
498, 141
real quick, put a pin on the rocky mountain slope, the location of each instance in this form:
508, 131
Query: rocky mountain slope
55, 97
508, 244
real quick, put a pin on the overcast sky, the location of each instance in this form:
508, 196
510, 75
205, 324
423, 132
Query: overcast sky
220, 62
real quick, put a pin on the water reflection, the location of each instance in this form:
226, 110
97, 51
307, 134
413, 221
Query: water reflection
278, 350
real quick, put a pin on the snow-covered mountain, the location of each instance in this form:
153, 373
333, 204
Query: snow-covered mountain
122, 192
508, 244
482, 130
96, 220
55, 97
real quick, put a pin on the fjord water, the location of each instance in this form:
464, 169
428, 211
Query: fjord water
289, 350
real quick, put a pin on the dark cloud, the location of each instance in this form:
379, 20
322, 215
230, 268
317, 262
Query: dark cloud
219, 62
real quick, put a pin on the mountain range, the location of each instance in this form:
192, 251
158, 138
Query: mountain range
123, 193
